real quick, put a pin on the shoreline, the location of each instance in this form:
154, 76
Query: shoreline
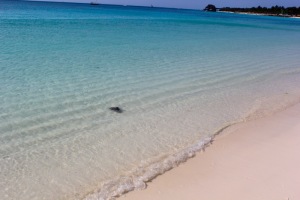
139, 178
261, 14
252, 160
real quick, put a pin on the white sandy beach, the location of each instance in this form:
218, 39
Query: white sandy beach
257, 160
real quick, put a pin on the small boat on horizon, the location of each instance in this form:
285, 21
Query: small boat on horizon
94, 3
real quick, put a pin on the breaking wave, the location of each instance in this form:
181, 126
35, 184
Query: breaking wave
138, 178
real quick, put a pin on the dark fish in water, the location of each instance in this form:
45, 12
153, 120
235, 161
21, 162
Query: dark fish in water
116, 109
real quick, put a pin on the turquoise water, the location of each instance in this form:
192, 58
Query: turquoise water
179, 75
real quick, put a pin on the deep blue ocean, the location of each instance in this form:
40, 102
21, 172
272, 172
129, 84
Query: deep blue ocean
180, 76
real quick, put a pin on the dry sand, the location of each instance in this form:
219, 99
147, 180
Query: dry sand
257, 160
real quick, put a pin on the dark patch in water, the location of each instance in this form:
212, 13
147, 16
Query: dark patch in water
116, 109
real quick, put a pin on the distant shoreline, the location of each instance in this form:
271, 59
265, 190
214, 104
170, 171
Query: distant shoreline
261, 14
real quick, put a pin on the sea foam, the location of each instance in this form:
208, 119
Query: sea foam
138, 178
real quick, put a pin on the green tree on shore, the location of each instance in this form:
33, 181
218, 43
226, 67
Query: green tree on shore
274, 10
211, 8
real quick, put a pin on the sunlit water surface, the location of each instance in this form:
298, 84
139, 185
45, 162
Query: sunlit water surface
179, 75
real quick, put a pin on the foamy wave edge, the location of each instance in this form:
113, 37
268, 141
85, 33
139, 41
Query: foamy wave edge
137, 180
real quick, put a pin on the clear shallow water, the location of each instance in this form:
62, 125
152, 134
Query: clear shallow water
179, 75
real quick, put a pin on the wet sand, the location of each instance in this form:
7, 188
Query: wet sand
256, 160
